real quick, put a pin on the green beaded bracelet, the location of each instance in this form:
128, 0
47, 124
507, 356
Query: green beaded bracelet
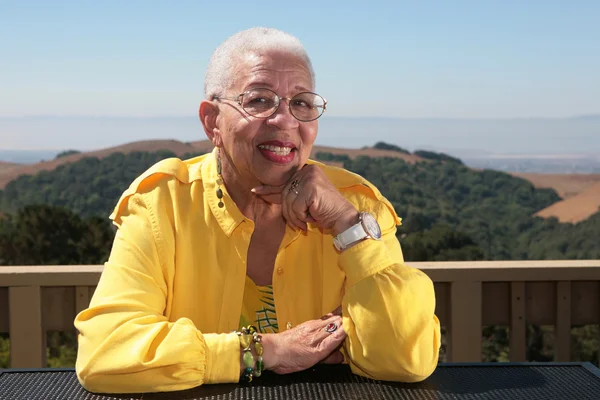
254, 368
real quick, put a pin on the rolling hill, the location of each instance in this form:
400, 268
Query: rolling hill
179, 148
5, 166
580, 193
575, 208
444, 204
566, 185
175, 146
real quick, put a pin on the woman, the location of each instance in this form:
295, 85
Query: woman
254, 234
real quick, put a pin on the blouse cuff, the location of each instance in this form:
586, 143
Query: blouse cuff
222, 358
364, 259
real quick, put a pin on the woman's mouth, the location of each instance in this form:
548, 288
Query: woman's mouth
280, 153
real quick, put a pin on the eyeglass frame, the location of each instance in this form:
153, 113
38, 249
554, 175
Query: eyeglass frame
238, 99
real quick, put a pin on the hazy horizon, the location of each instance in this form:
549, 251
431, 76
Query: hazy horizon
579, 135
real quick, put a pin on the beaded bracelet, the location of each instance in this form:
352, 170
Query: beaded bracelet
248, 336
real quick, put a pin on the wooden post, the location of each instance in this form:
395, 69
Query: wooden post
518, 348
27, 338
562, 347
465, 322
82, 298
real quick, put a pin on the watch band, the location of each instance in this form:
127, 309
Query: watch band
351, 235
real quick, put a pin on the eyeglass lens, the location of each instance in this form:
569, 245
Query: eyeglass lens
264, 102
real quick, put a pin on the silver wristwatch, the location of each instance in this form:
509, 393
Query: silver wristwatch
367, 227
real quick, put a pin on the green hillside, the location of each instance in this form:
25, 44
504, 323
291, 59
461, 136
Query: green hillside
88, 187
494, 209
449, 211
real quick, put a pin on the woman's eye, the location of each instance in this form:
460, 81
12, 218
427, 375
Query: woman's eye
257, 100
301, 103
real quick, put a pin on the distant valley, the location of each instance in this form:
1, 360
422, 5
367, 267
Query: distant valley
26, 156
536, 163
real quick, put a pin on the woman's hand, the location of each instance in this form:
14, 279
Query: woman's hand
310, 197
305, 345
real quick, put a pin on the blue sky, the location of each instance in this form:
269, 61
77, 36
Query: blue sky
457, 59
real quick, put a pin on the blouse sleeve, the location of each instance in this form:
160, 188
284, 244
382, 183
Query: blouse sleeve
126, 344
388, 308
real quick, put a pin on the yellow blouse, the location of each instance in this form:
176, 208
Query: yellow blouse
258, 308
171, 293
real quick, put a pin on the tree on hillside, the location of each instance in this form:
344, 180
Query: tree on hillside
326, 156
46, 235
441, 243
430, 155
388, 146
67, 153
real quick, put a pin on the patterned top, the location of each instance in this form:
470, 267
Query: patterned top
258, 308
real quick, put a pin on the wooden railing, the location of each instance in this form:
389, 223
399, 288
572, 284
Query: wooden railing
470, 295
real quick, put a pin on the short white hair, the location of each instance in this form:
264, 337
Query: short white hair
254, 40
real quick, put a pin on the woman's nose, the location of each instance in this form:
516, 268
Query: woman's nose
283, 118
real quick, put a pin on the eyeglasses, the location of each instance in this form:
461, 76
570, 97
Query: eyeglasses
262, 103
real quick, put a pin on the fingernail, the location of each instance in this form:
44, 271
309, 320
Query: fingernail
256, 189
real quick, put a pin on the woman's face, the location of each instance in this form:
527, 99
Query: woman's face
256, 149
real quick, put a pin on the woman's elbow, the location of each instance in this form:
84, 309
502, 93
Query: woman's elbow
87, 377
417, 371
405, 361
91, 368
400, 370
423, 357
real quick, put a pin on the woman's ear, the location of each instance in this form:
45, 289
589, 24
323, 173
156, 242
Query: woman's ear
208, 113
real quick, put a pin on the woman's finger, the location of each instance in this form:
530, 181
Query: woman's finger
337, 311
266, 190
331, 326
334, 339
299, 210
270, 194
334, 358
287, 197
293, 193
291, 215
271, 197
310, 219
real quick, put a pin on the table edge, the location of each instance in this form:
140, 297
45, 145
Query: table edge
586, 365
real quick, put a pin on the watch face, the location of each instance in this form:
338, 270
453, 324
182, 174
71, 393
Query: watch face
371, 226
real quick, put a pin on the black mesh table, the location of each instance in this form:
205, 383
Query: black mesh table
450, 381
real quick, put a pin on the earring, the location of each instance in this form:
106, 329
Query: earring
219, 181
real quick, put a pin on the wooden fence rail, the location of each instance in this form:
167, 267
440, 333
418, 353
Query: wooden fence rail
470, 295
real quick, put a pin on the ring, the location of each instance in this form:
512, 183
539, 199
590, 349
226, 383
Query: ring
331, 327
294, 185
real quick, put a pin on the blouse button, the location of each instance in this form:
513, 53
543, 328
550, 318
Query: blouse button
279, 271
